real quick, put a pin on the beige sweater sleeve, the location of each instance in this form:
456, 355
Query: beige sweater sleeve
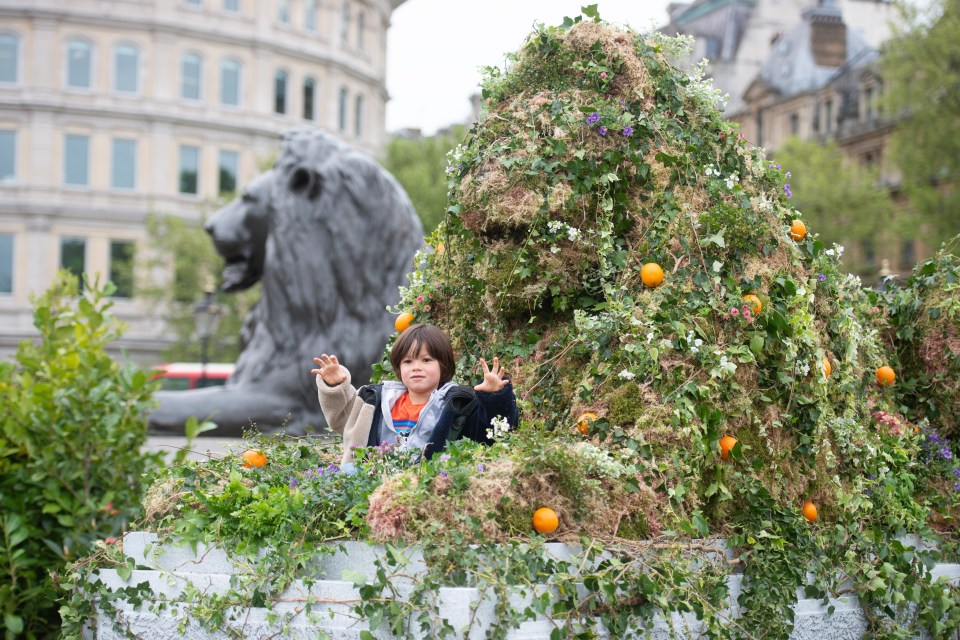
345, 413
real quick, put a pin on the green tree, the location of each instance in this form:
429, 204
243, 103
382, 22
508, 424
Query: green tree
419, 165
183, 248
920, 67
842, 201
72, 424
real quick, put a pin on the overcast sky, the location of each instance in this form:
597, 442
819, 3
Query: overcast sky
436, 47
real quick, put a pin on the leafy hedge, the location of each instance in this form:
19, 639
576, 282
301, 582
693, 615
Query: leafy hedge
72, 422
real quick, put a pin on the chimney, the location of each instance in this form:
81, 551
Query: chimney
828, 34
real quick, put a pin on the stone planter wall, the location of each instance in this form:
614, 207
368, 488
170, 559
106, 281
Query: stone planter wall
173, 569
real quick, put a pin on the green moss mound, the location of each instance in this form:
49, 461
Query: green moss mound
923, 320
594, 156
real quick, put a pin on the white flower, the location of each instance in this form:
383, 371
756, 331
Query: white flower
650, 337
554, 249
626, 374
500, 428
554, 226
573, 234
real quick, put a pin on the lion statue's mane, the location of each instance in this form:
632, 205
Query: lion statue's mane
331, 235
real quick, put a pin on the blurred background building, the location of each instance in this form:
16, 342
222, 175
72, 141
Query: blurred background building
110, 110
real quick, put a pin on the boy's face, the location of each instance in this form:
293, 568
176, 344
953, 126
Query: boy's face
420, 374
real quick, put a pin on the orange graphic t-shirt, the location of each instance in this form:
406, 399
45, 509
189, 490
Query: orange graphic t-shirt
405, 414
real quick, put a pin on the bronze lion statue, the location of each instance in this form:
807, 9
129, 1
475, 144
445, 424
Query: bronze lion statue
331, 235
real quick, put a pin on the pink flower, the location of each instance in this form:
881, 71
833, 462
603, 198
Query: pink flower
426, 307
747, 313
734, 312
603, 74
419, 298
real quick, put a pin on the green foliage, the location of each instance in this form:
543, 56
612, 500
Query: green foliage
921, 71
184, 251
844, 201
418, 166
72, 422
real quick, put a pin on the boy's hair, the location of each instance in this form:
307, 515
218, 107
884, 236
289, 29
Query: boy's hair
436, 342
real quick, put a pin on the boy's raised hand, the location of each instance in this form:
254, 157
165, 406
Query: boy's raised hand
329, 370
493, 377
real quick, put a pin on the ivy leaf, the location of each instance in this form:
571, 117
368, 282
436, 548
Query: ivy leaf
356, 577
591, 12
756, 344
718, 240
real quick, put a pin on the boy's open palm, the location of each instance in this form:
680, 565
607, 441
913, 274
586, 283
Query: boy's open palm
329, 370
493, 377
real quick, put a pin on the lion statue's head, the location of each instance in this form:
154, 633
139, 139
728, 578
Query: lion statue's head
331, 236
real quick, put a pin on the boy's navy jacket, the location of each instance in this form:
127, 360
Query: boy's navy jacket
466, 413
463, 413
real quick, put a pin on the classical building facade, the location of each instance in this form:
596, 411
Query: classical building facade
111, 110
807, 69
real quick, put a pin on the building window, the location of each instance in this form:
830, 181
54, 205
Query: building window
310, 15
342, 110
194, 3
908, 257
189, 169
229, 165
358, 116
794, 124
283, 11
8, 156
126, 65
122, 254
76, 158
230, 83
280, 92
345, 24
191, 69
79, 64
869, 253
233, 6
309, 86
868, 102
760, 128
6, 263
123, 172
361, 27
73, 257
9, 57
828, 115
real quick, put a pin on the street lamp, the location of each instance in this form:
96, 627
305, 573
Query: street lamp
206, 317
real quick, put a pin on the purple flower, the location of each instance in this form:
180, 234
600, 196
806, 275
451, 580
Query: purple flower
786, 190
593, 118
821, 277
789, 175
444, 457
293, 482
627, 131
778, 166
481, 467
444, 474
602, 131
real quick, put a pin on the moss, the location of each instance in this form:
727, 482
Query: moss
626, 405
634, 527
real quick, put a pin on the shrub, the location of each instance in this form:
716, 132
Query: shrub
71, 428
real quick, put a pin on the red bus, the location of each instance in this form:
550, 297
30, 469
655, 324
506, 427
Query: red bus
179, 376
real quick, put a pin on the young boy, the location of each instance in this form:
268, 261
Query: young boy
425, 409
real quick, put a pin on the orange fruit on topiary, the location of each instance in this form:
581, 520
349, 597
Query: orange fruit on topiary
827, 368
886, 376
253, 458
651, 274
403, 321
726, 446
798, 230
583, 422
545, 520
754, 302
810, 511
